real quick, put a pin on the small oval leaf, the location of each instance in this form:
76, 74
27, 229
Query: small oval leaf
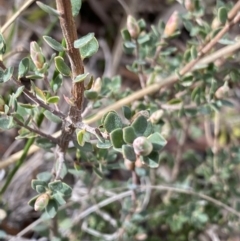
50, 116
53, 43
61, 66
47, 9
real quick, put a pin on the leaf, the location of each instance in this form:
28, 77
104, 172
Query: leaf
91, 94
127, 112
44, 176
56, 83
106, 145
139, 125
112, 121
53, 44
40, 189
222, 15
80, 78
5, 122
19, 91
55, 186
59, 199
61, 66
194, 52
128, 153
66, 190
32, 201
98, 172
151, 160
116, 138
80, 137
7, 74
36, 182
53, 99
76, 6
50, 116
39, 93
47, 9
52, 208
44, 143
79, 43
126, 35
157, 140
129, 134
2, 45
23, 67
89, 49
148, 130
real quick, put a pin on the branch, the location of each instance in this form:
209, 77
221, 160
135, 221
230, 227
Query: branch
40, 133
33, 98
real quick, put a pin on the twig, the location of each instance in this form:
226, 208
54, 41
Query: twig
40, 133
33, 98
15, 15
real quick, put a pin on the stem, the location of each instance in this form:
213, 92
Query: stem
70, 34
49, 137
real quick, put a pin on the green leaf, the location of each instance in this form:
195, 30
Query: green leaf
151, 160
61, 66
44, 143
157, 140
66, 190
53, 44
194, 52
53, 99
39, 93
50, 116
76, 6
127, 112
129, 134
91, 94
139, 125
142, 24
55, 186
104, 145
80, 78
98, 172
89, 49
32, 201
148, 130
59, 198
80, 137
222, 15
79, 43
116, 138
2, 45
36, 183
128, 153
56, 83
52, 208
126, 35
6, 74
47, 9
19, 91
40, 189
5, 122
23, 67
112, 121
44, 176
